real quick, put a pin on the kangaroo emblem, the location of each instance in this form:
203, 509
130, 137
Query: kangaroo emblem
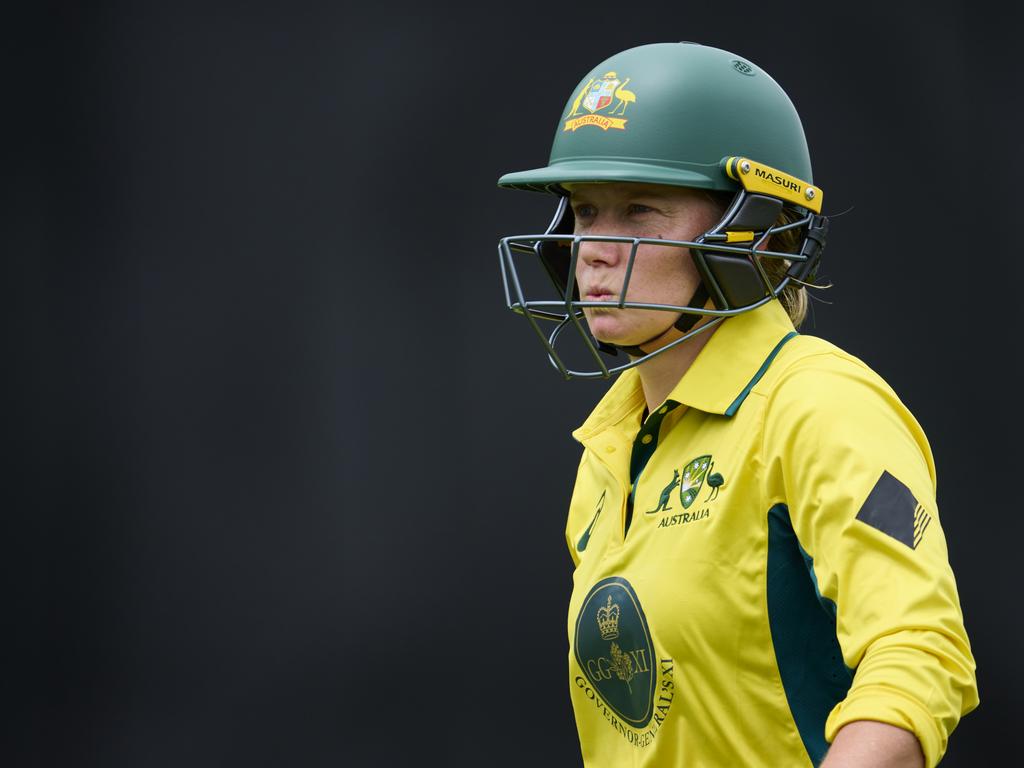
666, 495
579, 99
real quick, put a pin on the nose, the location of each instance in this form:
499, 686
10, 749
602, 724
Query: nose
597, 252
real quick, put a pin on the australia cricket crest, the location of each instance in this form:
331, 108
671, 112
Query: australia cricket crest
694, 476
693, 479
597, 95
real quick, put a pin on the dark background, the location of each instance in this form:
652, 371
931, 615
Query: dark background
288, 483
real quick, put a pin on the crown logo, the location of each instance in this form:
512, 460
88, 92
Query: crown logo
608, 620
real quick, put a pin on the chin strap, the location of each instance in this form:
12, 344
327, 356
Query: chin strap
685, 322
699, 300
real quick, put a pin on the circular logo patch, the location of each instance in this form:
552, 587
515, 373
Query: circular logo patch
614, 649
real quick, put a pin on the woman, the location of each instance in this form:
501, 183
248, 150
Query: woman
761, 577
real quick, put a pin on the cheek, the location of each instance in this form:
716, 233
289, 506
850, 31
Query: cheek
668, 278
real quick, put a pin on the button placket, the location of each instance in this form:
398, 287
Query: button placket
644, 445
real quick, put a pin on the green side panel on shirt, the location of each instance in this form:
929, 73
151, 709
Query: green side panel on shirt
803, 627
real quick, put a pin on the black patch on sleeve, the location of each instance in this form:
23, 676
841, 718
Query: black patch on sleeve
892, 509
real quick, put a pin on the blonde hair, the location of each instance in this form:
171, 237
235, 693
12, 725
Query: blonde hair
794, 295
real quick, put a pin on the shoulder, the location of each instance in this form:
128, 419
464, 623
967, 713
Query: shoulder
816, 373
827, 402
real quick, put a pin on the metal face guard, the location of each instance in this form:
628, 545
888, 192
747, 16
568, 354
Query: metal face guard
731, 273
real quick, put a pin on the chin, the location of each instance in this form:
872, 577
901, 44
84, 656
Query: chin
605, 327
614, 328
611, 331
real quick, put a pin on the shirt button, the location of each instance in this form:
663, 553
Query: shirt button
663, 409
609, 449
646, 439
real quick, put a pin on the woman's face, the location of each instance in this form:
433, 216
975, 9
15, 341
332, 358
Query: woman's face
661, 275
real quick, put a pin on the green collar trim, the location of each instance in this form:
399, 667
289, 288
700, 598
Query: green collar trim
731, 410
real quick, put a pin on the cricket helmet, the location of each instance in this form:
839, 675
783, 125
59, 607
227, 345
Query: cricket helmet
678, 114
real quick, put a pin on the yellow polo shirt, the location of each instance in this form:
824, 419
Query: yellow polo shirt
784, 571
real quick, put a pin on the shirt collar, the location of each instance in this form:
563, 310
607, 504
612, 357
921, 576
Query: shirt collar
734, 359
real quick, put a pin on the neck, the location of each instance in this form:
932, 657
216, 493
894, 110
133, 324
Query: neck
660, 374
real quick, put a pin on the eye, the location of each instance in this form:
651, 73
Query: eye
584, 211
637, 208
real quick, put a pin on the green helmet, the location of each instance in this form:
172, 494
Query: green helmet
686, 115
686, 107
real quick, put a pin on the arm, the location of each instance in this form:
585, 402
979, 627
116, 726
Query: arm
866, 744
856, 472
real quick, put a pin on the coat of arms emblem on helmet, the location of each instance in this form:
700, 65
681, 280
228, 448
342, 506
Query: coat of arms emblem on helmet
597, 95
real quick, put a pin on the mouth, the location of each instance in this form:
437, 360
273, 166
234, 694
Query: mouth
599, 294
